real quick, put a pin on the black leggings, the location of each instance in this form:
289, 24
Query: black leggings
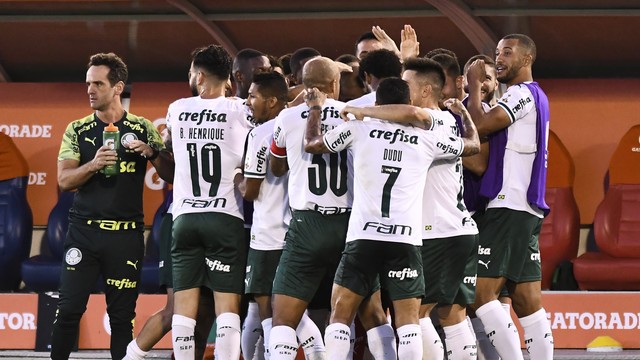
90, 252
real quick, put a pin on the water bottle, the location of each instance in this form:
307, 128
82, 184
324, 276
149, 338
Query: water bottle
111, 138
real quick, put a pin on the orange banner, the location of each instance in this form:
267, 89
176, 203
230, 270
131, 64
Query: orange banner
18, 317
576, 319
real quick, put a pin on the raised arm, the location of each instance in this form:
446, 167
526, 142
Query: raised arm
470, 139
398, 113
313, 140
486, 122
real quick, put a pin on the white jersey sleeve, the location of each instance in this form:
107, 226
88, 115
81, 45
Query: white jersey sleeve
339, 138
517, 102
208, 138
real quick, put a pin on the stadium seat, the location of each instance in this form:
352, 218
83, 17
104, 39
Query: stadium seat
560, 233
16, 219
150, 277
41, 272
616, 225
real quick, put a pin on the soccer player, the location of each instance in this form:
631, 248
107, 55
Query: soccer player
320, 198
390, 164
208, 132
246, 63
267, 98
514, 183
375, 66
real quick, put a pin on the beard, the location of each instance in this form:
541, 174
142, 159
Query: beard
194, 89
511, 73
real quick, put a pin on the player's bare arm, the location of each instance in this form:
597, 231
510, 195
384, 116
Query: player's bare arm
398, 113
486, 122
470, 139
313, 139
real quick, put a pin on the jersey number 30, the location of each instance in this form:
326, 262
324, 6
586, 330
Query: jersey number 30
337, 174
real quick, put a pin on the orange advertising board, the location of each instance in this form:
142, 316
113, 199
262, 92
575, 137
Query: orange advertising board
95, 332
576, 319
18, 319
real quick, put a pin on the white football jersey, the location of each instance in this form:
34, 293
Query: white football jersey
521, 150
443, 212
271, 213
364, 100
208, 138
316, 182
390, 164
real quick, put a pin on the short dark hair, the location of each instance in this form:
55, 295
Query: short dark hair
428, 68
526, 42
381, 64
298, 55
393, 90
366, 36
347, 59
244, 55
487, 60
274, 61
214, 59
272, 83
285, 60
449, 64
117, 68
439, 51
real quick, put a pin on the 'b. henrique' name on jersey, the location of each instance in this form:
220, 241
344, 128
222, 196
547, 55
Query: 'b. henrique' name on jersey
199, 133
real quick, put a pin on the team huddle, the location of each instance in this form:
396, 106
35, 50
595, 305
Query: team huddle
421, 199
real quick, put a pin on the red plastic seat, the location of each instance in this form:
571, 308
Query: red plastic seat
560, 233
616, 225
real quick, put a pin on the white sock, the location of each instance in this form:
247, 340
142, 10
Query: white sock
134, 352
228, 336
283, 344
410, 342
502, 333
537, 335
461, 344
251, 331
266, 332
182, 329
336, 338
309, 336
260, 353
352, 339
486, 351
431, 343
382, 342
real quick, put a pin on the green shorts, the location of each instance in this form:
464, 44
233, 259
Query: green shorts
261, 270
209, 250
366, 264
450, 270
312, 251
509, 245
164, 253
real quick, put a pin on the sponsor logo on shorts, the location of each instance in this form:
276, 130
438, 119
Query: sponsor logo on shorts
469, 280
484, 251
73, 256
133, 263
485, 264
402, 274
535, 257
122, 283
216, 265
